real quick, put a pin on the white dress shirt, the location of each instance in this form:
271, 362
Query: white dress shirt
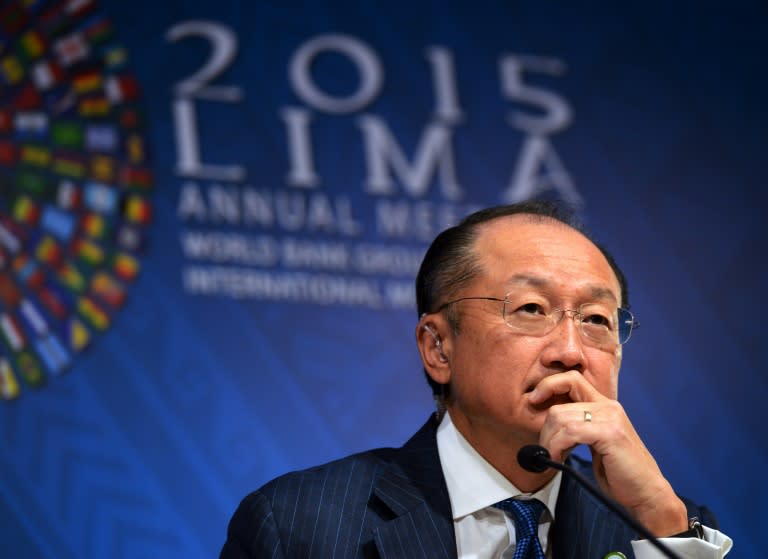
485, 532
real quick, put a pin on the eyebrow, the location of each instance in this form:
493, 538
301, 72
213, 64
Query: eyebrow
596, 291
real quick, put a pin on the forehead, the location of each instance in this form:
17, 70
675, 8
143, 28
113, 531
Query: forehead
544, 253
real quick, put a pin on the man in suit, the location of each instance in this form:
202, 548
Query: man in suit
522, 319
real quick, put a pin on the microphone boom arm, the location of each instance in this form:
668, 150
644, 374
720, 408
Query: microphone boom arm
534, 457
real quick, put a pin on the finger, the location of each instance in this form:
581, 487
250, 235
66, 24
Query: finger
568, 425
597, 424
573, 384
560, 443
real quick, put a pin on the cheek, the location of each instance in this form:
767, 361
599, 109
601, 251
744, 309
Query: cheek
503, 361
493, 361
605, 375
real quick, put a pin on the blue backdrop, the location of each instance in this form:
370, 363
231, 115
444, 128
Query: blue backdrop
244, 191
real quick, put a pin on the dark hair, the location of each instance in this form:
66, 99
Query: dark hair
450, 263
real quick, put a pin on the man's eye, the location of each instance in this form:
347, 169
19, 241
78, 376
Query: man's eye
530, 308
597, 320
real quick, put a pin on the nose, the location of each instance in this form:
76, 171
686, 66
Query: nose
564, 350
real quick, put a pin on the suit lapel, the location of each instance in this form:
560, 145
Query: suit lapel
414, 492
584, 528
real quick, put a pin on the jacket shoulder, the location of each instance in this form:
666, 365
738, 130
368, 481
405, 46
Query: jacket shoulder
316, 512
325, 481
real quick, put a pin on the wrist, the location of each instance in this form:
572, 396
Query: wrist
666, 518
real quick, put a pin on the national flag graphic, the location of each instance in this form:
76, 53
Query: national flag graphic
8, 153
135, 148
103, 137
125, 266
70, 49
10, 294
135, 177
88, 251
103, 168
122, 88
74, 185
107, 289
68, 195
137, 210
75, 334
115, 57
9, 386
25, 210
94, 107
130, 238
69, 276
48, 251
33, 317
36, 156
6, 121
79, 7
28, 271
93, 225
11, 69
101, 198
98, 30
61, 101
130, 118
46, 74
11, 333
58, 223
31, 182
52, 353
10, 236
28, 98
71, 166
31, 45
30, 369
67, 134
53, 302
87, 82
31, 125
92, 313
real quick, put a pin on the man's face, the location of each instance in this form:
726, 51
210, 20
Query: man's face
493, 367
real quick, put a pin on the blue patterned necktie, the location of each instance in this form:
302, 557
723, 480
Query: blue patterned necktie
526, 515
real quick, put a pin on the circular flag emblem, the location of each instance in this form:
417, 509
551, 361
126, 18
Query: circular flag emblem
74, 185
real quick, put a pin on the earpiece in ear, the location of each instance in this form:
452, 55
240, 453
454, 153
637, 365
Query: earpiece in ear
438, 344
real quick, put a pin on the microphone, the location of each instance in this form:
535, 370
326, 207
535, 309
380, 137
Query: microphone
533, 458
536, 459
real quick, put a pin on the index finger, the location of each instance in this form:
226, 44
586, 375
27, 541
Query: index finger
572, 383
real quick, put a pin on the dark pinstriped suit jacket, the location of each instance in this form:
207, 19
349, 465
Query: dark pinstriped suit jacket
393, 503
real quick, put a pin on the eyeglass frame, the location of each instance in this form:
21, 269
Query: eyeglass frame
631, 322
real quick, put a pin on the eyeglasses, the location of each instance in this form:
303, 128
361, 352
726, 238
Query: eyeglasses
600, 325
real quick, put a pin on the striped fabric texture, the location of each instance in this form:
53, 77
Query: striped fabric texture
393, 504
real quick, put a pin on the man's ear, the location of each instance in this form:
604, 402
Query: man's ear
434, 348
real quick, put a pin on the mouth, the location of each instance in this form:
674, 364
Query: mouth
530, 387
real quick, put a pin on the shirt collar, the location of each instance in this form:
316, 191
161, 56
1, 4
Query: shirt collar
473, 484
